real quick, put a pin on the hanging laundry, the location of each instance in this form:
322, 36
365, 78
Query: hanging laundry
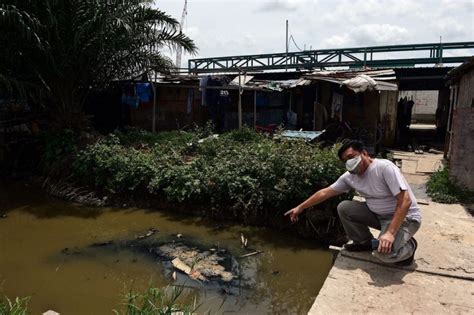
144, 92
189, 107
336, 106
129, 96
202, 88
292, 118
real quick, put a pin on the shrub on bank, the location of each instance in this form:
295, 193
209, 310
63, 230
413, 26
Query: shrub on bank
441, 189
240, 171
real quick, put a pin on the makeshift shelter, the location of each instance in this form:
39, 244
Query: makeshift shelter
309, 101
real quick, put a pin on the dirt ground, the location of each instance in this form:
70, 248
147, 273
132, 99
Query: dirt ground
441, 281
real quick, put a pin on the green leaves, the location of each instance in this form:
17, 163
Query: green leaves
441, 189
58, 51
241, 171
19, 306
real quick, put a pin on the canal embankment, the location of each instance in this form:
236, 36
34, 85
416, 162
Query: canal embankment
441, 281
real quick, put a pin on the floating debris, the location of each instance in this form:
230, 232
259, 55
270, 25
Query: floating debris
99, 244
69, 251
252, 254
243, 240
149, 233
194, 274
206, 265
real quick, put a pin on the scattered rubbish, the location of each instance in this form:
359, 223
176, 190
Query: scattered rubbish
69, 251
173, 275
99, 244
3, 216
149, 233
50, 312
422, 202
181, 266
252, 254
209, 265
225, 291
435, 151
179, 235
243, 240
215, 136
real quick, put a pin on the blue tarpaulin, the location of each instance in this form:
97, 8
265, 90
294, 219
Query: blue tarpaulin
304, 135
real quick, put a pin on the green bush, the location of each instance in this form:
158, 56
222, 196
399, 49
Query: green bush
113, 166
57, 145
241, 171
441, 189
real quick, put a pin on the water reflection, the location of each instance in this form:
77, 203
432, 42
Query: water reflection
285, 278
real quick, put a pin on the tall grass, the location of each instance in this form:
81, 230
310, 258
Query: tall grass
441, 189
19, 306
155, 301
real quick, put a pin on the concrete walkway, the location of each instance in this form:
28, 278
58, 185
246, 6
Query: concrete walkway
441, 281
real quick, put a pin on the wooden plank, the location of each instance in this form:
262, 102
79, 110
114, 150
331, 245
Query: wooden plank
409, 166
427, 166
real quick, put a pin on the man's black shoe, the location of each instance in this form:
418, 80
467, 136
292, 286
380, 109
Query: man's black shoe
358, 247
409, 260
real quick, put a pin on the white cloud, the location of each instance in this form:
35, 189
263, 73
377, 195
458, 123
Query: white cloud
450, 28
238, 27
369, 34
278, 5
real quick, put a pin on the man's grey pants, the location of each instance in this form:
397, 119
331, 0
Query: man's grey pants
356, 218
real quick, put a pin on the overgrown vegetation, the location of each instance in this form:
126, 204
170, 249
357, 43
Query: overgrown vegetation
157, 302
240, 173
57, 52
153, 301
441, 189
19, 306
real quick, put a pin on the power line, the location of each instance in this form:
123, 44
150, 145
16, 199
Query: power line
293, 40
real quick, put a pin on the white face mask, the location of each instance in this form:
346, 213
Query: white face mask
353, 165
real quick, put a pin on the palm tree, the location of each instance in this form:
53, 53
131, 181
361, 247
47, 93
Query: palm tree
58, 51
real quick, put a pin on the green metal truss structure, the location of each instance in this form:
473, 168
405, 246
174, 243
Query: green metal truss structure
373, 57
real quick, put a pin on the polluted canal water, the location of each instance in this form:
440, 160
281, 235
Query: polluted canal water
81, 260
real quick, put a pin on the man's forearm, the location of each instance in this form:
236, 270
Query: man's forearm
403, 204
316, 198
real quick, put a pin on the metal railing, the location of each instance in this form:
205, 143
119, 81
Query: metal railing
374, 56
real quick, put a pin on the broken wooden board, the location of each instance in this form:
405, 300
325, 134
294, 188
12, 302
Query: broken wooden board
194, 274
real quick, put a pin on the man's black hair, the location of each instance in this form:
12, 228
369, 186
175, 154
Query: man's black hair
356, 145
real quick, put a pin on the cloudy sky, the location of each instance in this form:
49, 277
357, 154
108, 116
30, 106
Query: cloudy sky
231, 27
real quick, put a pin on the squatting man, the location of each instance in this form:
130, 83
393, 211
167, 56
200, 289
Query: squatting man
390, 206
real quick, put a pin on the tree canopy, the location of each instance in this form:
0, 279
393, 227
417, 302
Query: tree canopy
57, 51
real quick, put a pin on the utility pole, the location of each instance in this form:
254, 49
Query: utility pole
286, 59
240, 101
440, 62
